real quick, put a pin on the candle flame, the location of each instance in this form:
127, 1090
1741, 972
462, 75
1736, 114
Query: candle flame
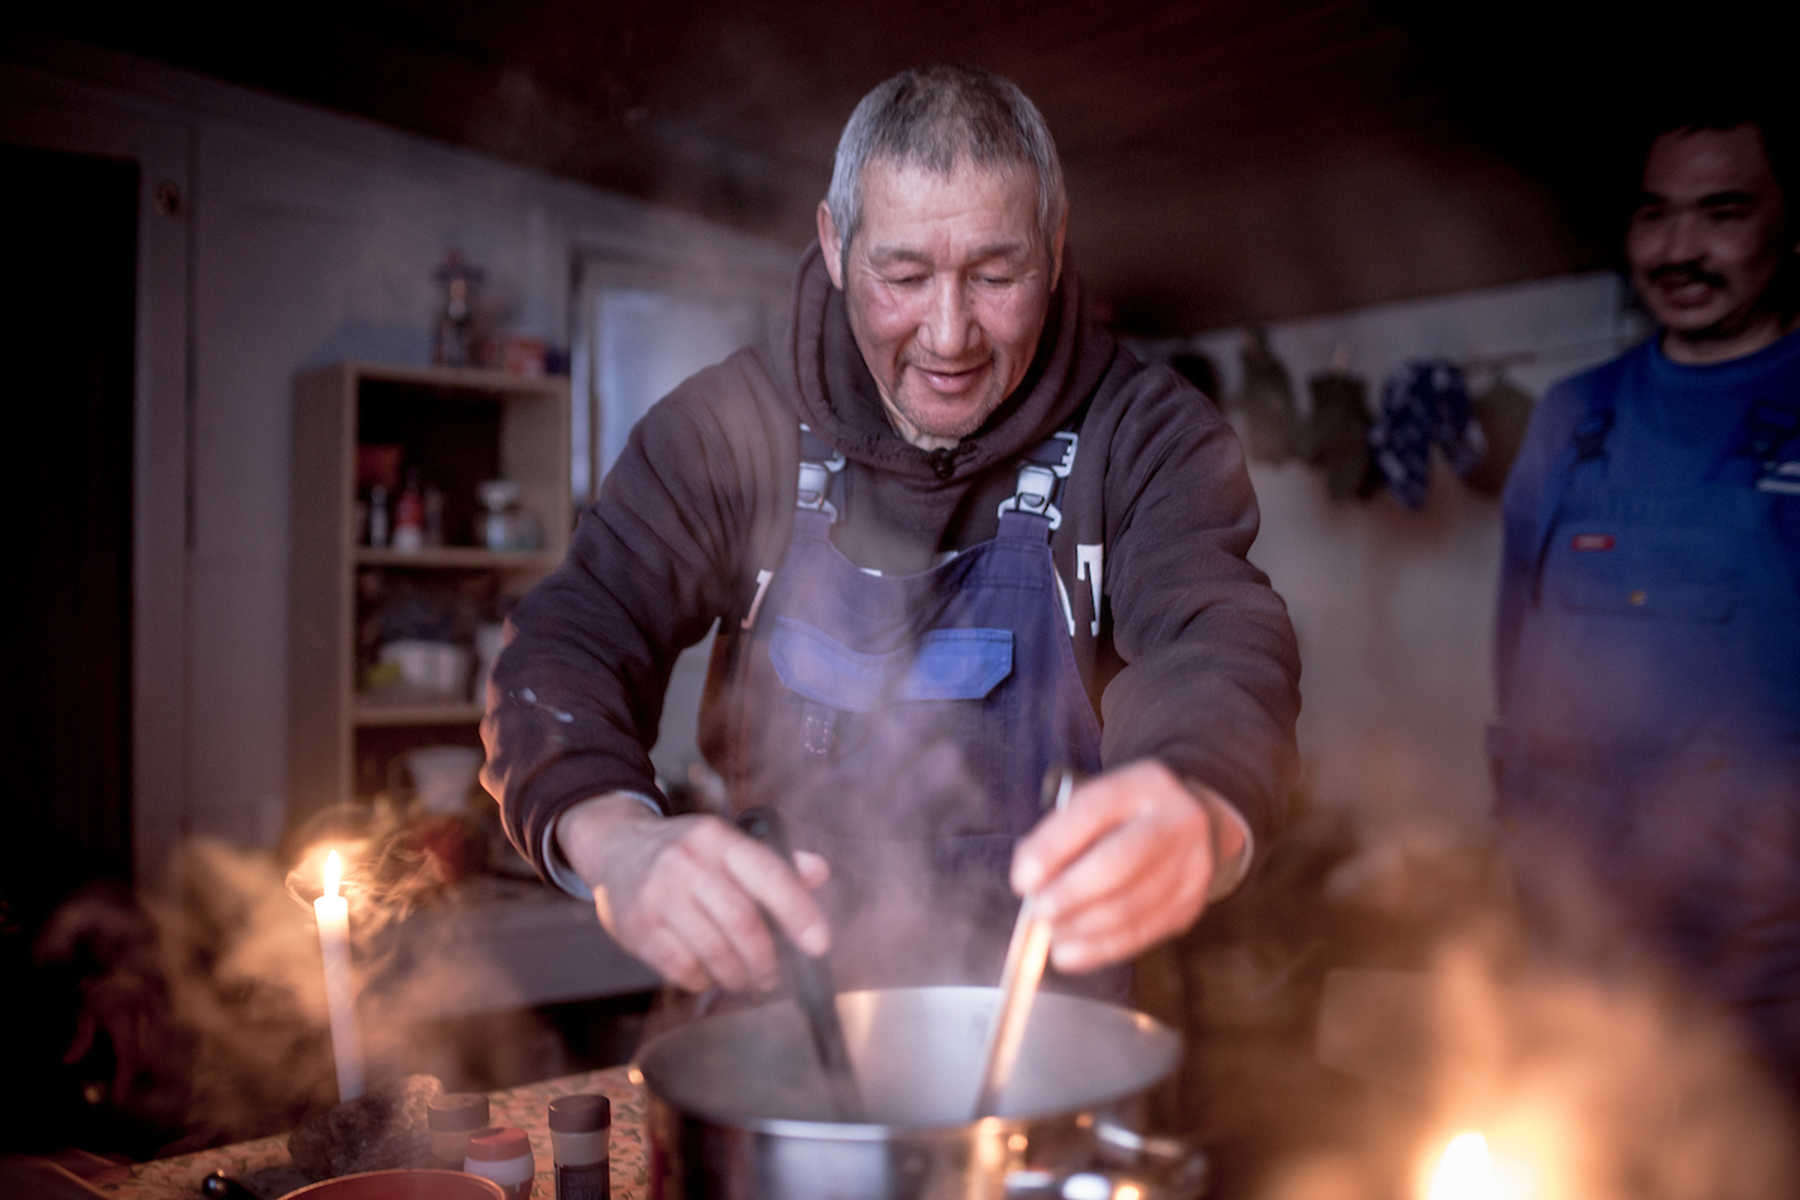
334, 871
1466, 1171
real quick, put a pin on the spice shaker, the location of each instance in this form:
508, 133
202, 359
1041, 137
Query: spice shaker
579, 1126
451, 1118
503, 1154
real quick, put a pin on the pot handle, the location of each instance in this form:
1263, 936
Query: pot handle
1175, 1161
1131, 1164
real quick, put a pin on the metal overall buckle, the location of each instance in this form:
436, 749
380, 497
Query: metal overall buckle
814, 483
1035, 492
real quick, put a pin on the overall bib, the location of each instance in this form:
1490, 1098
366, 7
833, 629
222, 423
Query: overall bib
902, 726
1652, 738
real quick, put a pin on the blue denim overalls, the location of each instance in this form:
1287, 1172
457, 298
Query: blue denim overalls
1652, 734
902, 725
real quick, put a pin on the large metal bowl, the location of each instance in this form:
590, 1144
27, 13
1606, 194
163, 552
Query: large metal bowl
737, 1107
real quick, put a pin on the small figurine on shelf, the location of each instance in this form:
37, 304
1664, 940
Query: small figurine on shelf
453, 342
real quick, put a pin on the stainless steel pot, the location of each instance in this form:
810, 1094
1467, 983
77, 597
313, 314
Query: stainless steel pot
738, 1111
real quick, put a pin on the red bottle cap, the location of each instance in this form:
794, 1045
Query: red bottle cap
497, 1143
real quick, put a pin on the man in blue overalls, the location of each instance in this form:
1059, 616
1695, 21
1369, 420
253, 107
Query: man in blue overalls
951, 535
1648, 751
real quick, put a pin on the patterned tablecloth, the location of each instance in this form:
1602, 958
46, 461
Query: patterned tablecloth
264, 1165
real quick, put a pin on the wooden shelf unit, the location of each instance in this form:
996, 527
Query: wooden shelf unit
460, 427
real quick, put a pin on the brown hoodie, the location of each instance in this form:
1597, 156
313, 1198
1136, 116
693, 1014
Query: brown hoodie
1185, 649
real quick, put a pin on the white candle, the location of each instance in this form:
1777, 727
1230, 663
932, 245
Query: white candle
333, 914
1465, 1171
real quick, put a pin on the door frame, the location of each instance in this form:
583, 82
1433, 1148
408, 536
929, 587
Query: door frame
48, 113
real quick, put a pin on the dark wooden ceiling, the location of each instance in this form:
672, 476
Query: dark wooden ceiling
1227, 161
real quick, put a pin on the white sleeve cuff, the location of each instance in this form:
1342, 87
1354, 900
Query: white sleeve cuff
557, 866
1227, 875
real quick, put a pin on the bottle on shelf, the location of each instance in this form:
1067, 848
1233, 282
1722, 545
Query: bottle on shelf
434, 515
409, 515
378, 516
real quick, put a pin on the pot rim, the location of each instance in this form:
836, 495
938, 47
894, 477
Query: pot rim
871, 1131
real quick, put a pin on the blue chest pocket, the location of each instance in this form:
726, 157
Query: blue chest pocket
1680, 578
948, 664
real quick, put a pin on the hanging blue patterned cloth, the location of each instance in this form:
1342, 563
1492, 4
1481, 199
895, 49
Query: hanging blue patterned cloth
1425, 402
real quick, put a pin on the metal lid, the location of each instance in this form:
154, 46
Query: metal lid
581, 1113
457, 1112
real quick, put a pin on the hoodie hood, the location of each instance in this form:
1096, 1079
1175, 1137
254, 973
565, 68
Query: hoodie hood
838, 398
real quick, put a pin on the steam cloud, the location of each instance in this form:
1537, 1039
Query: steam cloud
222, 993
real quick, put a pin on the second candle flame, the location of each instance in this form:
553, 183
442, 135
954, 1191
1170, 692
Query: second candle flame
1466, 1171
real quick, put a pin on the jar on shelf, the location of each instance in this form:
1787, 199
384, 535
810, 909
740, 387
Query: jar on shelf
504, 525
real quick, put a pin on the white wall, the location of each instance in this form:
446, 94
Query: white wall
313, 239
1394, 608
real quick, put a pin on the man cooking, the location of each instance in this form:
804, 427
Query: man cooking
952, 535
1649, 621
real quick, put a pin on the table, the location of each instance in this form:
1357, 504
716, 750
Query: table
264, 1164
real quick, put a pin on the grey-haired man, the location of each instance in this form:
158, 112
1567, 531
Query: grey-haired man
951, 534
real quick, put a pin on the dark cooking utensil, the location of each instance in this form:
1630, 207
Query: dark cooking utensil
810, 980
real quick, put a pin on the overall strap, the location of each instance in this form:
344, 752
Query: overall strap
818, 496
1042, 470
820, 485
1586, 444
1772, 441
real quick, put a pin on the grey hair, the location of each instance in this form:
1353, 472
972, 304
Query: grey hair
936, 117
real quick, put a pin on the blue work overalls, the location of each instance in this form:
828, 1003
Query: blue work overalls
1651, 739
902, 726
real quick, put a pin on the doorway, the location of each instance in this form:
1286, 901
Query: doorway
96, 318
69, 494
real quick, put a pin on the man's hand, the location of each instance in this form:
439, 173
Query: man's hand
681, 893
1126, 864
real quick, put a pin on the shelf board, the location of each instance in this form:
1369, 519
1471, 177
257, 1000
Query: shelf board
367, 712
475, 379
457, 558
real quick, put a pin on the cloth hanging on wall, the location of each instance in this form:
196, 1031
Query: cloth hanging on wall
1336, 437
1424, 403
1503, 410
1266, 400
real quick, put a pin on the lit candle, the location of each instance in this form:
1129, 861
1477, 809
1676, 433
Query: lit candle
1466, 1171
333, 914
